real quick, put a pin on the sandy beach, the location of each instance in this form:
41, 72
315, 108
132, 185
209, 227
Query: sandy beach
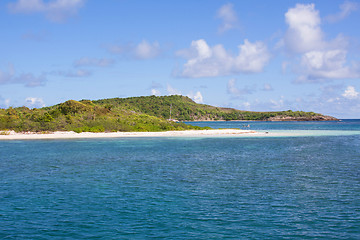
12, 135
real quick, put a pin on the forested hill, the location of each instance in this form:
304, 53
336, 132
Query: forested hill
149, 113
184, 109
84, 116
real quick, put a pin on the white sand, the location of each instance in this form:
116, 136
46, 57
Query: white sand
11, 135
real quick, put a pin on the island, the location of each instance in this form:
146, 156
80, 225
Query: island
134, 114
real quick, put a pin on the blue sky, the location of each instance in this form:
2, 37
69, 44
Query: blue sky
250, 55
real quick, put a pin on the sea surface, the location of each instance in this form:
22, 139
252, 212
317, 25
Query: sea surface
303, 187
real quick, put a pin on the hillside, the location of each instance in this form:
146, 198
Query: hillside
84, 116
149, 113
185, 109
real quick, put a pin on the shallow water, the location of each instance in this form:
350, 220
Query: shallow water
182, 188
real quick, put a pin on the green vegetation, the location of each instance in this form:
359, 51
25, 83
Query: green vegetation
184, 109
84, 116
129, 114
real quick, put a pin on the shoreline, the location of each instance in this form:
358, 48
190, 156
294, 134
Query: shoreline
12, 135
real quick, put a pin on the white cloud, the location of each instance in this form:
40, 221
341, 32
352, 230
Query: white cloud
146, 50
304, 32
206, 61
327, 64
155, 92
197, 97
332, 100
228, 16
96, 62
345, 10
27, 79
350, 93
320, 59
155, 88
33, 102
56, 10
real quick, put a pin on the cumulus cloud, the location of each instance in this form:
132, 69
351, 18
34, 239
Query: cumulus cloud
197, 97
350, 93
327, 64
56, 10
335, 100
146, 50
93, 62
228, 16
33, 102
142, 51
27, 79
320, 59
155, 88
345, 10
304, 32
206, 61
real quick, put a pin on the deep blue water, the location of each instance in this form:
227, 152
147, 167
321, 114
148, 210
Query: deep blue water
183, 188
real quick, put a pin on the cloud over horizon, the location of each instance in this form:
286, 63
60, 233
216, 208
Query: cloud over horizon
320, 59
34, 102
206, 61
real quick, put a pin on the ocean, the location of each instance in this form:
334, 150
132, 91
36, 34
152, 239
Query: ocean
303, 186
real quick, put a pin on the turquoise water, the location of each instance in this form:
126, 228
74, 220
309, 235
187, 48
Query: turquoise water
184, 188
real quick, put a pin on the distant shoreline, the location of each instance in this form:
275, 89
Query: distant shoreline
12, 135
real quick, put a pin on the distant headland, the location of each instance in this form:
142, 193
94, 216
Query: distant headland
134, 114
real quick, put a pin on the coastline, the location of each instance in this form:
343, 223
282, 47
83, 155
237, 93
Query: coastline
12, 135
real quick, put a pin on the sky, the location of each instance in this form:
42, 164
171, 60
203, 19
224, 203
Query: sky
249, 55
